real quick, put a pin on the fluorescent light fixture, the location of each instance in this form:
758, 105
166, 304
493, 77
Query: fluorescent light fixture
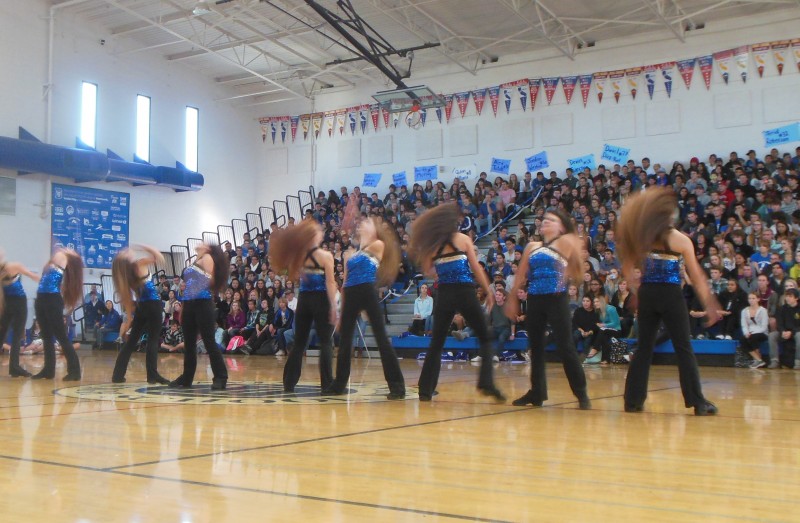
202, 8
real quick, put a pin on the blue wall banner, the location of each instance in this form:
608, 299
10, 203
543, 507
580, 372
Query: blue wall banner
578, 164
399, 179
371, 179
615, 153
426, 172
785, 134
91, 221
537, 162
500, 166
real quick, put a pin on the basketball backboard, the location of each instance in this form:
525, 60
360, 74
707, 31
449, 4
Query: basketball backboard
400, 100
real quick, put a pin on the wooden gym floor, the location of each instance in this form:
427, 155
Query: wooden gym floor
132, 453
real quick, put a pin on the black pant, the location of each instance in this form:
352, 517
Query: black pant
603, 340
356, 299
449, 300
552, 309
256, 340
50, 314
15, 314
657, 303
200, 316
753, 342
312, 307
146, 320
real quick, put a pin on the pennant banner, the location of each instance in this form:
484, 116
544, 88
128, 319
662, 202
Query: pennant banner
316, 123
374, 113
273, 124
507, 98
305, 125
364, 116
479, 97
617, 78
550, 85
385, 112
534, 84
494, 98
461, 100
585, 81
668, 72
633, 75
779, 51
796, 51
423, 116
263, 131
741, 57
706, 64
723, 60
686, 68
448, 106
522, 89
295, 122
329, 121
760, 53
340, 120
568, 83
352, 118
600, 84
650, 73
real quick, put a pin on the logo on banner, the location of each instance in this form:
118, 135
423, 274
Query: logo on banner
668, 71
273, 129
760, 53
585, 81
494, 98
340, 120
351, 118
534, 84
448, 106
686, 69
550, 85
568, 83
284, 128
600, 83
616, 83
706, 65
507, 99
479, 97
522, 89
723, 60
461, 100
363, 115
779, 50
423, 116
633, 75
650, 79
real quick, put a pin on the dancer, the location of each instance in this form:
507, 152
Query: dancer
14, 311
548, 265
378, 247
132, 276
297, 250
647, 240
436, 245
208, 274
60, 286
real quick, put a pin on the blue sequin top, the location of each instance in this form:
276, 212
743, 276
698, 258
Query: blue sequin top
453, 268
362, 267
197, 283
312, 280
149, 291
14, 287
546, 272
662, 267
51, 280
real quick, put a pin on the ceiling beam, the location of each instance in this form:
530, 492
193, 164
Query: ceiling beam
658, 7
547, 19
220, 47
154, 23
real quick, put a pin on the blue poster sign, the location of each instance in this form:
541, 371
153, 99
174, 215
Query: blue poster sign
578, 164
93, 222
785, 134
537, 161
399, 179
500, 166
615, 153
371, 179
426, 172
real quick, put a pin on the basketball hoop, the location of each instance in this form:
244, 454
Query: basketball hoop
414, 117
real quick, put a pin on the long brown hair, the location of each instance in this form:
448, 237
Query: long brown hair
431, 230
72, 284
645, 219
390, 264
289, 247
126, 277
222, 268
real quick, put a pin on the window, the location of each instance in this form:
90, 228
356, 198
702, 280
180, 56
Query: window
143, 127
89, 114
192, 130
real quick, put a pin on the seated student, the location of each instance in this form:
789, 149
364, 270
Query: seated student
110, 322
584, 324
500, 325
259, 341
252, 316
787, 336
34, 344
755, 324
173, 338
423, 313
236, 320
284, 319
610, 327
733, 300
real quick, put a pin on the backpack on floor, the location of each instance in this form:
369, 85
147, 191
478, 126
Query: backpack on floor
235, 343
618, 351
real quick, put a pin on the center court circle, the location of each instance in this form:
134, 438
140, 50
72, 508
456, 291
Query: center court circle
237, 393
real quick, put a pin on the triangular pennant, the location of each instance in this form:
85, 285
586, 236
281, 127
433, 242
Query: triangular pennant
568, 83
352, 119
439, 113
686, 69
633, 74
263, 133
295, 122
723, 60
374, 111
479, 97
507, 98
305, 125
341, 115
448, 107
385, 111
585, 81
461, 100
796, 50
329, 121
650, 73
550, 85
534, 84
668, 71
494, 98
395, 119
522, 89
600, 84
706, 64
423, 115
273, 129
617, 77
363, 117
779, 51
316, 124
742, 57
284, 125
760, 52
